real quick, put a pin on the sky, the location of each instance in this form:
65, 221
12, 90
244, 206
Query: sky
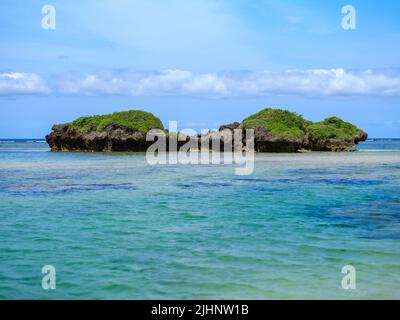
202, 63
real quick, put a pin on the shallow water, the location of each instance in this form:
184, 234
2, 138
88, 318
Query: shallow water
115, 227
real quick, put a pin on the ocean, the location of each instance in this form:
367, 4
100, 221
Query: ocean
115, 227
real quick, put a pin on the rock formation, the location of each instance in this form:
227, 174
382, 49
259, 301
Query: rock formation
120, 131
275, 130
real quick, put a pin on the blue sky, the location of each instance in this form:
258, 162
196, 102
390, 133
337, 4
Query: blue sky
200, 62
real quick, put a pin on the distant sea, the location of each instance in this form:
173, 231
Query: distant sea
115, 227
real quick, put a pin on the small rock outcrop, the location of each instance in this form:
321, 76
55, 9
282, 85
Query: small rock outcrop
332, 134
277, 130
120, 131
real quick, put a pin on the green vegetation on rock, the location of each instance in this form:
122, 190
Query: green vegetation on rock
332, 128
136, 120
278, 122
275, 130
290, 125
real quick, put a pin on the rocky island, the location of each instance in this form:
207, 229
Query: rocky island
120, 131
279, 130
275, 130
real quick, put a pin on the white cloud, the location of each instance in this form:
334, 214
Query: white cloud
328, 82
22, 83
314, 82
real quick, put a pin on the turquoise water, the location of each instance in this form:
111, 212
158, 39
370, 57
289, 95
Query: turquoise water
115, 227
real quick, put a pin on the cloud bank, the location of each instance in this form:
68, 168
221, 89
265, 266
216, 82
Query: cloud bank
315, 82
329, 82
22, 83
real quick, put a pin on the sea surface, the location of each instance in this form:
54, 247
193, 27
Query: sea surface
115, 227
